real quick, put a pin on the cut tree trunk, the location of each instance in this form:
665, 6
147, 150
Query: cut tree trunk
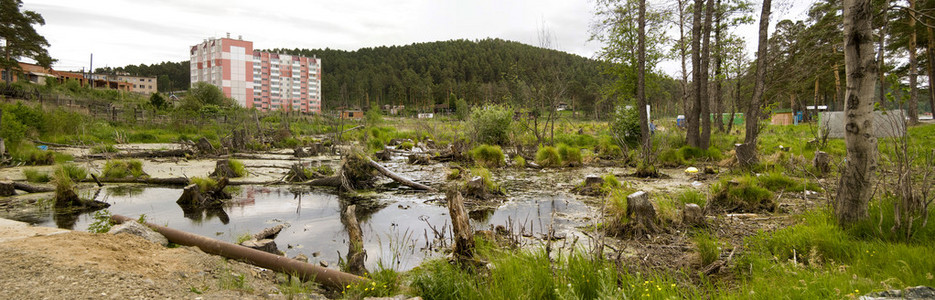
7, 189
223, 169
641, 214
461, 228
693, 215
704, 139
856, 184
822, 162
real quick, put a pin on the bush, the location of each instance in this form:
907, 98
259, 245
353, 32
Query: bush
607, 149
123, 169
34, 176
569, 155
406, 146
491, 124
610, 183
488, 156
548, 157
73, 171
625, 125
519, 161
30, 155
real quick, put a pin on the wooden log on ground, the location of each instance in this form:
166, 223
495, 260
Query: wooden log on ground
32, 189
641, 213
463, 234
59, 145
159, 181
356, 254
400, 179
7, 189
146, 154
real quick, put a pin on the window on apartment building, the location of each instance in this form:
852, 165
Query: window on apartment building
150, 87
142, 80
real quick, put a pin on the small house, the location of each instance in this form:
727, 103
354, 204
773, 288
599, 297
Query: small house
352, 114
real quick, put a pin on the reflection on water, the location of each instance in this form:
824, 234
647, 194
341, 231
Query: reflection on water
394, 234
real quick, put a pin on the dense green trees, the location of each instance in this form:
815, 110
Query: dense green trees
20, 38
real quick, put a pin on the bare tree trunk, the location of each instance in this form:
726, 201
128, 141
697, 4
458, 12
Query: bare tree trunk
693, 137
746, 152
718, 105
931, 52
356, 254
645, 139
855, 185
837, 79
913, 109
687, 105
705, 111
880, 57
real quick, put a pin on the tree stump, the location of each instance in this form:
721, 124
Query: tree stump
383, 155
591, 186
641, 213
297, 173
204, 146
299, 152
822, 162
7, 189
461, 227
223, 169
475, 188
239, 142
191, 196
265, 245
746, 154
356, 254
693, 215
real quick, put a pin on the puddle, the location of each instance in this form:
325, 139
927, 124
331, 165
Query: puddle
396, 233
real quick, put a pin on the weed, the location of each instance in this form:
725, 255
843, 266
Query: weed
741, 195
454, 174
406, 146
293, 285
487, 177
141, 219
519, 161
383, 283
34, 176
488, 156
548, 156
228, 280
244, 237
102, 222
687, 196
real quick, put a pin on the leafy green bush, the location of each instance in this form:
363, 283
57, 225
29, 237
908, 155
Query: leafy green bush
610, 183
491, 124
33, 175
123, 169
607, 149
569, 155
488, 156
548, 156
625, 125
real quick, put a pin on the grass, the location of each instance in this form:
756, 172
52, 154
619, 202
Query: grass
383, 282
687, 196
204, 183
571, 156
238, 167
488, 156
34, 176
486, 176
123, 169
741, 194
105, 148
73, 171
548, 156
519, 161
707, 247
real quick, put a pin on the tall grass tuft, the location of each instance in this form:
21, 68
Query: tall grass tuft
708, 247
547, 156
123, 169
488, 156
238, 167
569, 155
34, 176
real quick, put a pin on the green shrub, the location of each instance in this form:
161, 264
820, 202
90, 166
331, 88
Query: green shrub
123, 169
741, 195
625, 125
519, 161
375, 144
548, 157
607, 149
102, 222
708, 247
238, 167
108, 148
491, 124
610, 183
73, 171
569, 155
687, 196
488, 156
383, 283
34, 176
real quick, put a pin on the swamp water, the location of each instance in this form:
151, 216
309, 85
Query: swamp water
398, 233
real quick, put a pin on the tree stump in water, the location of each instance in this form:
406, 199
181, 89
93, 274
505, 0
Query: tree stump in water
191, 196
641, 213
223, 169
746, 154
477, 189
461, 227
356, 254
822, 162
297, 173
204, 146
69, 199
383, 155
299, 152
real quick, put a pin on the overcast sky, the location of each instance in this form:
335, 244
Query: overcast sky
122, 32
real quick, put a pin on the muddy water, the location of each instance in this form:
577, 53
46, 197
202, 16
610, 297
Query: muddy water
397, 232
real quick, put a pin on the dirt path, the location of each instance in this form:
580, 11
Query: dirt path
50, 263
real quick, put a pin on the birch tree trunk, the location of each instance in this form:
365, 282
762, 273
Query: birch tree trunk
645, 139
705, 110
746, 152
856, 183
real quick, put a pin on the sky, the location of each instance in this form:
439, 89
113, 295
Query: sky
123, 32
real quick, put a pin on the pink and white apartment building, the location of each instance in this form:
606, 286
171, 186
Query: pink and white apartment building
255, 79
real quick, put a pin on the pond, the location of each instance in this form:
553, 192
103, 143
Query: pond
398, 232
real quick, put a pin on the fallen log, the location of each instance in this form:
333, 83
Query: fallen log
397, 178
32, 189
146, 154
333, 279
331, 181
160, 181
353, 128
59, 145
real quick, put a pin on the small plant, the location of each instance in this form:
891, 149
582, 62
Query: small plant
548, 157
569, 155
488, 156
123, 169
741, 195
294, 285
141, 219
73, 171
205, 183
382, 283
708, 248
406, 146
238, 167
691, 196
102, 222
610, 183
34, 176
244, 237
519, 161
104, 149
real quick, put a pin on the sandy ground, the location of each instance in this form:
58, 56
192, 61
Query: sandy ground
51, 263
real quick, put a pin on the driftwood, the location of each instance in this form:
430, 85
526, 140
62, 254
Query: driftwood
356, 254
32, 189
462, 233
159, 181
146, 154
59, 145
400, 179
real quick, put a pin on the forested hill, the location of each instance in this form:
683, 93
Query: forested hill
423, 74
